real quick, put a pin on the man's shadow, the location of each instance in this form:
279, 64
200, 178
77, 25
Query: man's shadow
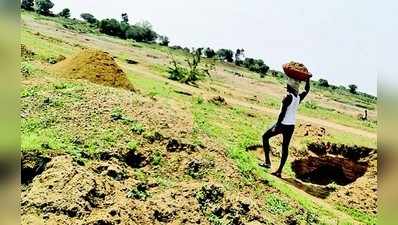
318, 191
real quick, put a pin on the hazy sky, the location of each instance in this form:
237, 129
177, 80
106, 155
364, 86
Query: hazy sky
343, 41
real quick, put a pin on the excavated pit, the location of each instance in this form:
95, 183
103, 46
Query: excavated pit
332, 163
326, 170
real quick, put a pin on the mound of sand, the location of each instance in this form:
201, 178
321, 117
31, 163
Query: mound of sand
96, 66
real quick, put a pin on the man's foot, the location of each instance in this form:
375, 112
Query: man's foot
265, 165
277, 174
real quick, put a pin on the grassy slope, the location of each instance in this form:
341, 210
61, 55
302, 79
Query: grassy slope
209, 120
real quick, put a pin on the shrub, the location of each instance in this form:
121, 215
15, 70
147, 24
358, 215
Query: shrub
64, 13
176, 47
255, 65
124, 26
225, 54
88, 18
149, 35
164, 40
110, 27
43, 7
192, 73
27, 4
141, 33
209, 53
323, 83
176, 71
353, 88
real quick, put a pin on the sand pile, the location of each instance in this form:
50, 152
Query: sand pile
96, 66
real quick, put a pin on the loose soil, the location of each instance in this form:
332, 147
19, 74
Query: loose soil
96, 66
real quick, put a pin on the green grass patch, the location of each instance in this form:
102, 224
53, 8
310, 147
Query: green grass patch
358, 215
276, 205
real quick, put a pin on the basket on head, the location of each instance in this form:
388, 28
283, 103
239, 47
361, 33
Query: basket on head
296, 71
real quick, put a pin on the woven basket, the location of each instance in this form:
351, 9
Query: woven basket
295, 72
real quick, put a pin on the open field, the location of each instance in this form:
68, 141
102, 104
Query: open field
169, 153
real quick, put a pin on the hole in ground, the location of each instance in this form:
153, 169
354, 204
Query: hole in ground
32, 164
326, 170
135, 159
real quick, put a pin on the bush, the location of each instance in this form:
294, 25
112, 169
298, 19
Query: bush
27, 4
124, 27
110, 27
176, 47
43, 7
88, 18
176, 71
192, 73
225, 54
353, 88
323, 83
255, 65
164, 40
65, 13
141, 33
209, 53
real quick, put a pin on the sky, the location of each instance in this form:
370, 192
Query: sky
345, 42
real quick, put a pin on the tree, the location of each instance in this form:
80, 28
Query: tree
65, 13
125, 17
43, 7
136, 33
263, 69
164, 40
148, 35
209, 53
27, 4
255, 65
225, 54
110, 27
323, 83
88, 18
124, 27
141, 33
353, 88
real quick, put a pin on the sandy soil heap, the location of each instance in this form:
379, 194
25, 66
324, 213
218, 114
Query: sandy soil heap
96, 66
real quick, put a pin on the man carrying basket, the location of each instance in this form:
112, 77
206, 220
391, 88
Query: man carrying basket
296, 72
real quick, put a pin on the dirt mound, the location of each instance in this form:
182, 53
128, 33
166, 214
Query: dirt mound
96, 66
218, 100
63, 177
26, 54
311, 131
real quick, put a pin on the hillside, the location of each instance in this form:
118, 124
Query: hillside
170, 153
